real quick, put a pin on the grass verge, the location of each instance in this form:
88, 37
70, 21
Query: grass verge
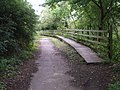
9, 65
67, 51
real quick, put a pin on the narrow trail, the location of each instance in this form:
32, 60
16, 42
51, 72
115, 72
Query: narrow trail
51, 70
60, 68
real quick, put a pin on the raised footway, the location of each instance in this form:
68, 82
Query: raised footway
88, 55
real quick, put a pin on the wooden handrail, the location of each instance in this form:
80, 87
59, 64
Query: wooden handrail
79, 30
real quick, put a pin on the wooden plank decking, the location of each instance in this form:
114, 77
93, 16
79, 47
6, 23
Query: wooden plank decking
88, 55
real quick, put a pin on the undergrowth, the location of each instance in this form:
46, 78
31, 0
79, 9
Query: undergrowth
115, 85
10, 64
116, 59
2, 86
116, 50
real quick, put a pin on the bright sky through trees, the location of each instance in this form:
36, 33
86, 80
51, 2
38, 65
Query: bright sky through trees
35, 4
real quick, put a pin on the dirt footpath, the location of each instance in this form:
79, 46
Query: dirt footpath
60, 68
57, 72
52, 70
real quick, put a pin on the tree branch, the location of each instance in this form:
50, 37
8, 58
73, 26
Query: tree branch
96, 3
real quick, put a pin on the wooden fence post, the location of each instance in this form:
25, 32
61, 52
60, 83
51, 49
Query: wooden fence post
110, 40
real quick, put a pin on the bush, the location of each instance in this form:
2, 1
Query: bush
25, 55
17, 23
8, 66
2, 86
116, 49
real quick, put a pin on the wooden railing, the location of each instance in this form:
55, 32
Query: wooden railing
100, 40
92, 36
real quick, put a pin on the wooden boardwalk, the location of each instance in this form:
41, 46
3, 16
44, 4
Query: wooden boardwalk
88, 55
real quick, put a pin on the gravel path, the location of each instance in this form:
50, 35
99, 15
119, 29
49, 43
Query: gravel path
52, 70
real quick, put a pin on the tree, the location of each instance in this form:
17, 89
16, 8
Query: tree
55, 18
104, 10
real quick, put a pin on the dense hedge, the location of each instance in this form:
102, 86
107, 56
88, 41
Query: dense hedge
17, 22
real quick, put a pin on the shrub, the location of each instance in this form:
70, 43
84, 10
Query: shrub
2, 86
116, 49
17, 22
8, 66
115, 86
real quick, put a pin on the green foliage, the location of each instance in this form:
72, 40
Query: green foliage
25, 55
55, 18
116, 49
116, 80
115, 86
8, 66
91, 14
2, 86
17, 28
17, 22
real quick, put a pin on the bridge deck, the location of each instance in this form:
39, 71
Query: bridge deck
89, 55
